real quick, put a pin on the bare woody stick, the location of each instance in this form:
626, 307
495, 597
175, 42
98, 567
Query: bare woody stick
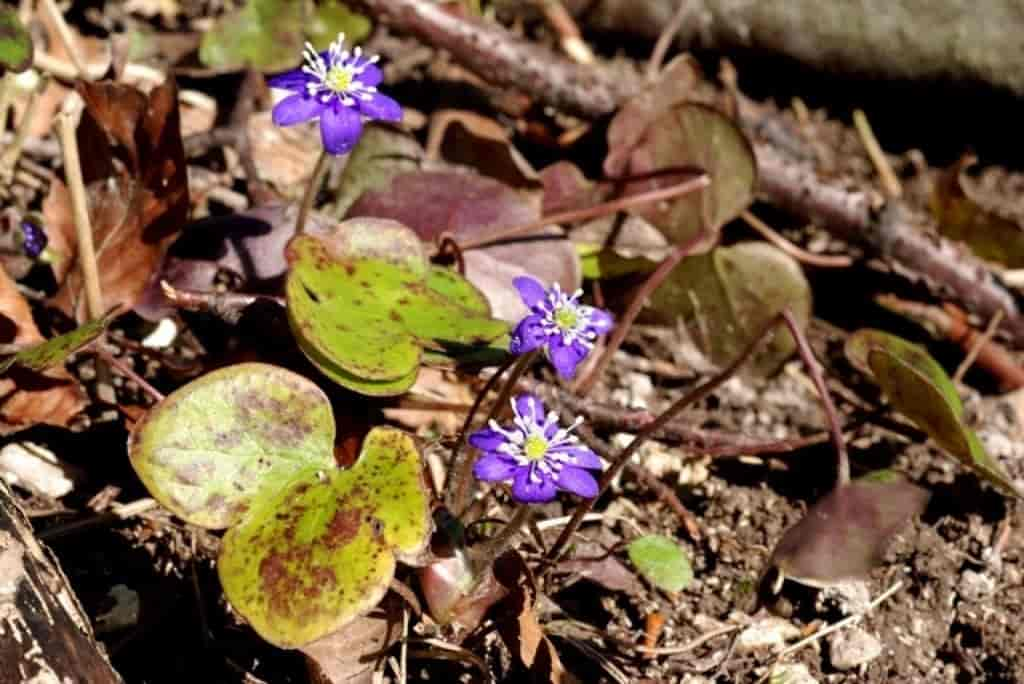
897, 231
67, 121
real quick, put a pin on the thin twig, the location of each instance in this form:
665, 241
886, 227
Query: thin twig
637, 303
890, 184
569, 36
981, 342
126, 370
665, 39
67, 121
822, 633
66, 38
798, 253
603, 209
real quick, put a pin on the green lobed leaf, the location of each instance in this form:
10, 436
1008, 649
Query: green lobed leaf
662, 561
15, 42
315, 553
918, 387
365, 320
55, 350
208, 449
727, 296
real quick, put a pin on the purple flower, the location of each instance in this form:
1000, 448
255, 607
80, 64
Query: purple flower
339, 87
537, 455
559, 323
33, 239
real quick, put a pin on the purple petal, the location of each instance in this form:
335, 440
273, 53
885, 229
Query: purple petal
371, 75
580, 457
530, 290
380, 107
296, 109
531, 408
600, 321
340, 128
578, 481
564, 357
495, 468
526, 491
487, 439
296, 80
528, 335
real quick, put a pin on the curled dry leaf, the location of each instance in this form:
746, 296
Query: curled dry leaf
133, 162
28, 397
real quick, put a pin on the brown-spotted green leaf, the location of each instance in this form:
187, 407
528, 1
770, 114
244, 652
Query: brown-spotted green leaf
727, 296
845, 534
314, 553
688, 135
918, 387
15, 42
209, 448
364, 318
55, 350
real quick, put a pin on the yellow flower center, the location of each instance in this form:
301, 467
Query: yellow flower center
535, 447
339, 78
566, 318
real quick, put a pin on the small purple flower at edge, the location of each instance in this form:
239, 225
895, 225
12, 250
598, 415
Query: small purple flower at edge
538, 456
33, 239
337, 86
558, 322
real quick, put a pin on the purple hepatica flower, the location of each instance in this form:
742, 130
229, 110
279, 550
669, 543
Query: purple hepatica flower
537, 455
339, 87
559, 323
33, 239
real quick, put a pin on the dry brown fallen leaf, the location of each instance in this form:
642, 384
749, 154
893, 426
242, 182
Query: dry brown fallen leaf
26, 397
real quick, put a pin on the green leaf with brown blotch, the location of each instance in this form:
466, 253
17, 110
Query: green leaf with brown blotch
918, 387
310, 546
366, 310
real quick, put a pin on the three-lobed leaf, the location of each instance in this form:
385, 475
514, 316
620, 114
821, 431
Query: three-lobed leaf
919, 388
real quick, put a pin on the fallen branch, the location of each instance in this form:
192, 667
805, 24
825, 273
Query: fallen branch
894, 229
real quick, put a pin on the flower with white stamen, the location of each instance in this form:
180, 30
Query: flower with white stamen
337, 86
558, 322
537, 455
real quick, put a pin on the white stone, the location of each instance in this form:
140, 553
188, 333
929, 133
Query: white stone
853, 647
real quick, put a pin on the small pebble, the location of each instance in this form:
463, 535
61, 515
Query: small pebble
791, 674
853, 647
975, 586
769, 633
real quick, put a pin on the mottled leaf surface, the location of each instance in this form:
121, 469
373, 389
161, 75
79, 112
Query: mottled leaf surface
315, 553
919, 388
208, 449
845, 534
727, 296
364, 316
662, 561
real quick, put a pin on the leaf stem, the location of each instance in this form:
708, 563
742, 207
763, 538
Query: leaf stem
484, 554
310, 194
